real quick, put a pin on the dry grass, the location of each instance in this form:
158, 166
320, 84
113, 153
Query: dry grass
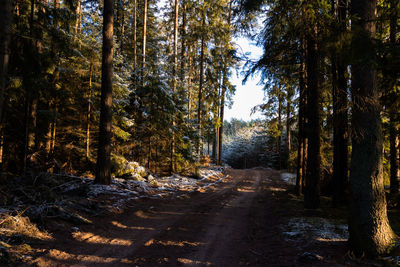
20, 225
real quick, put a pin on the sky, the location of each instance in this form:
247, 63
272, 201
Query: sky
249, 95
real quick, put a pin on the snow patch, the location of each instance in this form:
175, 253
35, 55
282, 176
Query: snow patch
319, 228
289, 178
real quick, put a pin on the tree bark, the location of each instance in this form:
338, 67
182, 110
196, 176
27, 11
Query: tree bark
288, 126
183, 41
223, 92
89, 113
103, 170
134, 45
77, 19
5, 40
221, 117
280, 128
312, 179
175, 71
369, 229
200, 95
144, 42
340, 120
301, 134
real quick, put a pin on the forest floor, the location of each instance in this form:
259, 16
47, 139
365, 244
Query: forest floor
248, 218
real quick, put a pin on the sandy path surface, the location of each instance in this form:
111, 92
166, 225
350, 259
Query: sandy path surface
235, 222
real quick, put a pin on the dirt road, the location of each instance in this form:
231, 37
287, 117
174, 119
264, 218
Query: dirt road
235, 222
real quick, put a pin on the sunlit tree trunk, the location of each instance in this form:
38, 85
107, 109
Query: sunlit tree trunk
135, 44
89, 113
175, 73
144, 42
77, 19
200, 95
103, 168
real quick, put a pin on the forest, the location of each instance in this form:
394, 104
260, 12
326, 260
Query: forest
106, 105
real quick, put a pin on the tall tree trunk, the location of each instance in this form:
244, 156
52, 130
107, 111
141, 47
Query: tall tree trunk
121, 45
5, 40
221, 117
144, 42
301, 138
189, 104
288, 135
302, 123
183, 41
103, 168
200, 96
223, 92
393, 109
279, 143
340, 120
135, 45
54, 129
77, 19
89, 113
370, 232
175, 72
312, 179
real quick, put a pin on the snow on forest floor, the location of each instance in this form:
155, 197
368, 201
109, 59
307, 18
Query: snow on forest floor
320, 229
316, 228
74, 199
289, 178
123, 190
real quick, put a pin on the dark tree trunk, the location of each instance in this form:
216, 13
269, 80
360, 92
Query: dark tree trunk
221, 117
183, 41
5, 39
288, 126
370, 232
279, 141
134, 45
394, 162
200, 96
144, 42
312, 179
174, 84
301, 134
340, 120
103, 169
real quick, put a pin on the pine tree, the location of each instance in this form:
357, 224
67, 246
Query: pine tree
369, 228
103, 170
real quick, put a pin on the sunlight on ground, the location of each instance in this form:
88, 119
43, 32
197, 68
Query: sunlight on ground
152, 242
276, 189
119, 225
189, 261
95, 239
63, 256
246, 189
